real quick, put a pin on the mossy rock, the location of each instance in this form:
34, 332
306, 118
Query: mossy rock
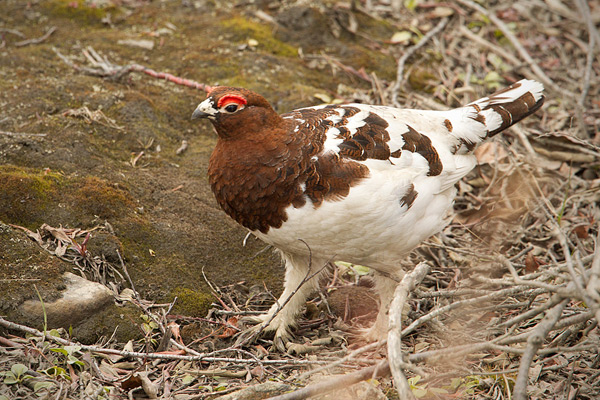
192, 303
241, 29
78, 9
32, 197
27, 195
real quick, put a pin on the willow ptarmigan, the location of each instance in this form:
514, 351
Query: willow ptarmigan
358, 183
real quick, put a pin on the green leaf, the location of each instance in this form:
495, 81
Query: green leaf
343, 264
493, 80
10, 379
42, 385
55, 371
75, 361
72, 349
414, 380
54, 332
361, 270
72, 359
411, 5
146, 328
187, 379
325, 98
455, 383
18, 370
60, 350
418, 393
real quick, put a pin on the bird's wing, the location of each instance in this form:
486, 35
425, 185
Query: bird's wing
344, 139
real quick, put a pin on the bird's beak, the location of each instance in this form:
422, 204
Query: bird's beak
205, 110
198, 113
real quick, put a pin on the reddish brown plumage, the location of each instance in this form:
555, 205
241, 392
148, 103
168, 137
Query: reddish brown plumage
260, 162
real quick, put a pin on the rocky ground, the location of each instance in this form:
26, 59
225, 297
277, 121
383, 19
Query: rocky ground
103, 177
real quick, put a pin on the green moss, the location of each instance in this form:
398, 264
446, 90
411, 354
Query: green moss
243, 29
26, 194
122, 322
378, 29
31, 197
422, 79
78, 9
383, 65
98, 197
192, 303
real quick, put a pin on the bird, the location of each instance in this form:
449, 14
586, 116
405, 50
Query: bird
358, 183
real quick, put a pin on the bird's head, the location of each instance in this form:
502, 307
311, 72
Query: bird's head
233, 111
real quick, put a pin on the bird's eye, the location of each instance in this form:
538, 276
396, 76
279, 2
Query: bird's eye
231, 108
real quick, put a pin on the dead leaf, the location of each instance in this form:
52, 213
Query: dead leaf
440, 12
34, 235
262, 352
230, 329
258, 372
401, 37
58, 233
531, 263
60, 250
299, 349
490, 153
582, 231
134, 381
150, 388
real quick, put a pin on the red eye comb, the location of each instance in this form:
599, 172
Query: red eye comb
232, 98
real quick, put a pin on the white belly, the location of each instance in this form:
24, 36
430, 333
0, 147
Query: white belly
370, 226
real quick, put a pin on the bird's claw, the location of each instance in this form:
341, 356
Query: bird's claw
281, 334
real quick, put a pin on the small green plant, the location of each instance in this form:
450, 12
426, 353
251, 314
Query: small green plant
149, 326
69, 352
42, 385
55, 372
422, 390
465, 385
17, 374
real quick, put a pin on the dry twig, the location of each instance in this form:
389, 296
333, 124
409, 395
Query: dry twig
409, 52
394, 347
41, 39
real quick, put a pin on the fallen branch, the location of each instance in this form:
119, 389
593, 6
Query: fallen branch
36, 40
337, 382
156, 356
20, 134
534, 342
520, 49
100, 66
409, 52
394, 347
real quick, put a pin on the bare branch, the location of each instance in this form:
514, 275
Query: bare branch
394, 347
409, 52
534, 342
380, 370
42, 38
520, 49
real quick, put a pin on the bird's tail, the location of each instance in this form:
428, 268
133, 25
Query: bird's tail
508, 106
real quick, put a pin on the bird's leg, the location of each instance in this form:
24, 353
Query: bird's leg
385, 285
301, 279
